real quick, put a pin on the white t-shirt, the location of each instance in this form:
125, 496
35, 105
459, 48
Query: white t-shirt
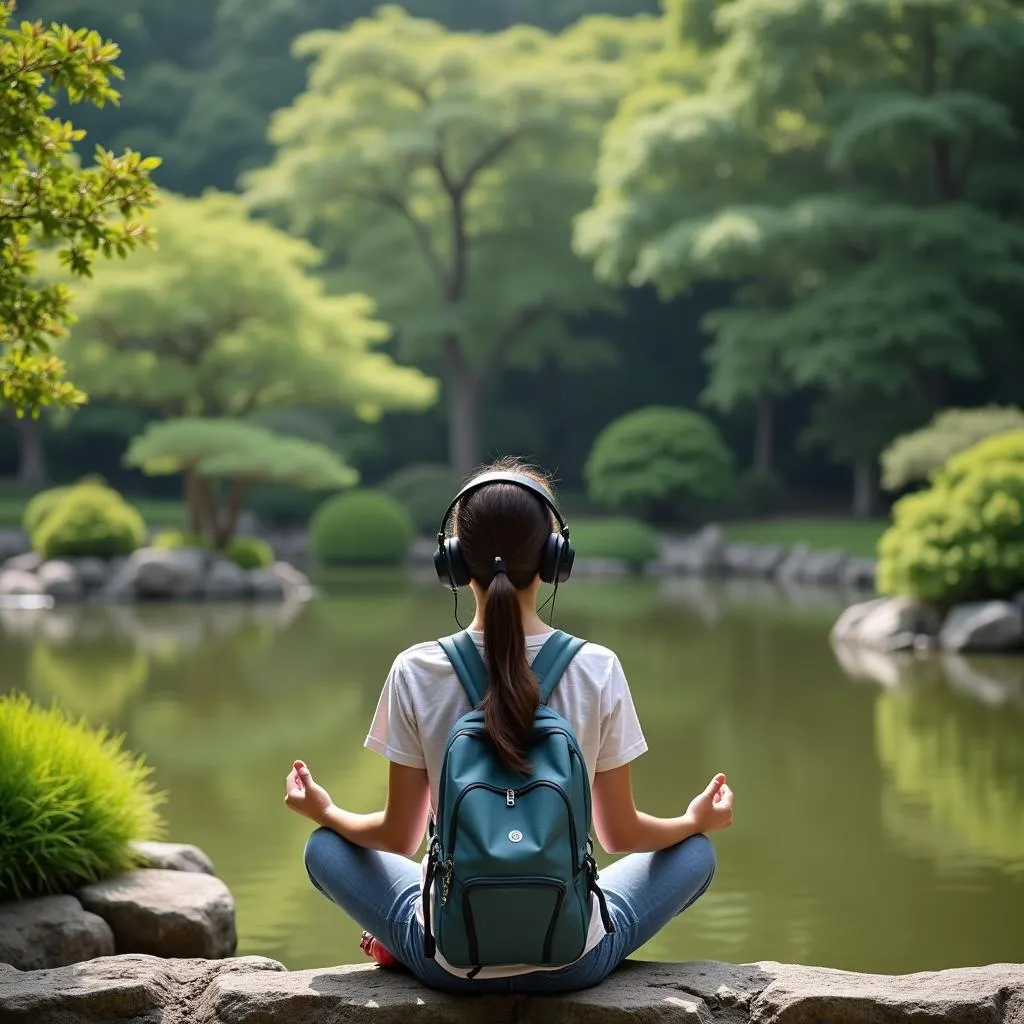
422, 699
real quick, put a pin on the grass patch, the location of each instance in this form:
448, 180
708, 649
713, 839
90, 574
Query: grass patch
858, 537
616, 537
71, 801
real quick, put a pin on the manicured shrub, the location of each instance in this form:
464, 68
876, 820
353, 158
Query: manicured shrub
660, 461
39, 508
174, 540
423, 490
619, 537
71, 801
914, 457
962, 538
250, 553
90, 520
361, 527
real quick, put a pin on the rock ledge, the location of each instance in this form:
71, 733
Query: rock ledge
254, 990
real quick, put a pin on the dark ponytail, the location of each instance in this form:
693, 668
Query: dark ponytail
504, 527
512, 693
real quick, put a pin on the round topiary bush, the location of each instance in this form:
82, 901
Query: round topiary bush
622, 538
660, 461
39, 507
361, 527
71, 801
250, 553
90, 520
423, 490
961, 539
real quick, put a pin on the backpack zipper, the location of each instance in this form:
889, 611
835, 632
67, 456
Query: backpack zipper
538, 784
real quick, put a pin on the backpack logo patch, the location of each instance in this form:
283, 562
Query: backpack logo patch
515, 836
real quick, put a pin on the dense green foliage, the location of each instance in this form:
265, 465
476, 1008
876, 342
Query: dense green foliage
89, 520
250, 553
47, 199
193, 327
962, 538
424, 491
630, 540
660, 460
443, 171
851, 165
361, 527
239, 454
832, 191
71, 802
913, 457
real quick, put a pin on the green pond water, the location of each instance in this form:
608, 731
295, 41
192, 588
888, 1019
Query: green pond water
879, 802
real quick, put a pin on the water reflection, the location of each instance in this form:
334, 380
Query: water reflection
879, 827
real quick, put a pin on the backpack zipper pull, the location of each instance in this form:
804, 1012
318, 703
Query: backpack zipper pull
510, 798
446, 879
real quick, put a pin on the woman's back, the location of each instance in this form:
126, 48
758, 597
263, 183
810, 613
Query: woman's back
422, 699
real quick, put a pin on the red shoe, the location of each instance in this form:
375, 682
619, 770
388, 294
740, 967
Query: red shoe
377, 951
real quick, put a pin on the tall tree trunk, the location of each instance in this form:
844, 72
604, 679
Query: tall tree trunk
764, 435
31, 456
464, 389
864, 488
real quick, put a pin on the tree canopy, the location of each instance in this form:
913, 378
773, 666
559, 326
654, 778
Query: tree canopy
845, 169
225, 316
441, 171
49, 200
207, 450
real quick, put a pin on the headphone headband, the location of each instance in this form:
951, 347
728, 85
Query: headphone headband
499, 477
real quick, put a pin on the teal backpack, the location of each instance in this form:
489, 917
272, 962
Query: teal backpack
510, 866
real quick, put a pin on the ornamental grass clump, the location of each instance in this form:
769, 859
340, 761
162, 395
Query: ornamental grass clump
72, 799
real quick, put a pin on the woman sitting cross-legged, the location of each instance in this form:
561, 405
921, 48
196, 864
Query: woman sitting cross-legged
508, 898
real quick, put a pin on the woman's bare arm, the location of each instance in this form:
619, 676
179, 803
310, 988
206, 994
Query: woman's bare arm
398, 828
621, 828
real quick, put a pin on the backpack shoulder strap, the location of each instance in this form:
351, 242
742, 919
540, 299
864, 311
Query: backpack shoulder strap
468, 665
554, 657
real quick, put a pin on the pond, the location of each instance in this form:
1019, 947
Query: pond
880, 802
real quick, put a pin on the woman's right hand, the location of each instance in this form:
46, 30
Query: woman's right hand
712, 809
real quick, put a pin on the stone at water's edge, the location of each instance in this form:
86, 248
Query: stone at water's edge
254, 990
984, 626
51, 931
173, 857
167, 913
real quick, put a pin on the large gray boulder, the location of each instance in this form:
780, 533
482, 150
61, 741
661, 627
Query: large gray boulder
295, 582
226, 582
30, 561
60, 580
886, 622
702, 553
168, 575
985, 626
166, 913
18, 583
93, 572
51, 931
254, 990
173, 857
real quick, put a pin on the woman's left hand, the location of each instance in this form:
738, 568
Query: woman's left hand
304, 796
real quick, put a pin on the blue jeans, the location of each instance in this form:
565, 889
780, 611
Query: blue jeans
380, 890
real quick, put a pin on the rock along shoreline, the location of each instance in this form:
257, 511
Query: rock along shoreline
254, 990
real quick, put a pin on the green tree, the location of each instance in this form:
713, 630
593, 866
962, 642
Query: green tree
47, 199
442, 171
212, 452
913, 458
841, 165
226, 316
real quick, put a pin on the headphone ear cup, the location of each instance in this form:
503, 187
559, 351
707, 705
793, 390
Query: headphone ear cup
556, 563
457, 572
